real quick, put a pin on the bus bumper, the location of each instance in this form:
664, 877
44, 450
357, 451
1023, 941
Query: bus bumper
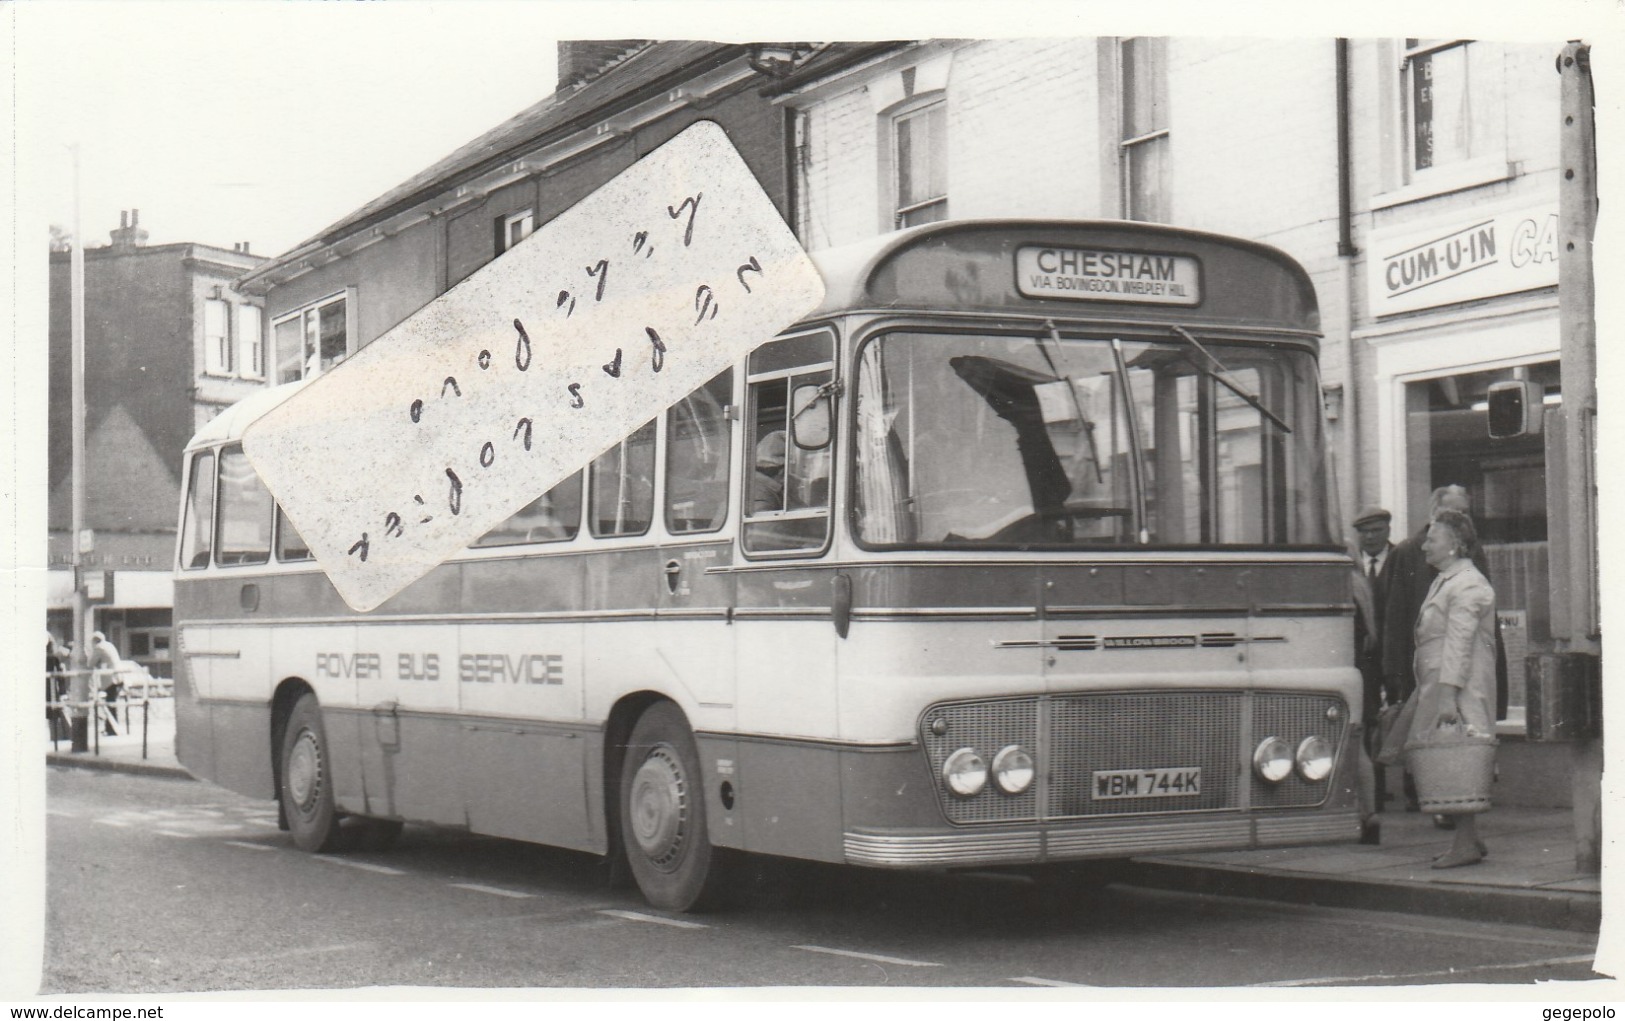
1098, 840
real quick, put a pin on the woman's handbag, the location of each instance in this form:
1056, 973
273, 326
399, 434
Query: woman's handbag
1393, 727
1453, 766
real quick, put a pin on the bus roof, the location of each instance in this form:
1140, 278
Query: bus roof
972, 265
229, 424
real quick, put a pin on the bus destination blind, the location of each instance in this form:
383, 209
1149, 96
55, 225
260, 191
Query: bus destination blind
482, 400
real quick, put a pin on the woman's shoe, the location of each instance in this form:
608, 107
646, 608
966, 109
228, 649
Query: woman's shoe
1483, 852
1451, 859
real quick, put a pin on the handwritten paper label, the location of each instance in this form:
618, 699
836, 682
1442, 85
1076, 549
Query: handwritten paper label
486, 397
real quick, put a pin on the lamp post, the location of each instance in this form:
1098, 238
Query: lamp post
79, 687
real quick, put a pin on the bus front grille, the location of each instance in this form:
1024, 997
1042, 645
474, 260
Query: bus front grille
1081, 740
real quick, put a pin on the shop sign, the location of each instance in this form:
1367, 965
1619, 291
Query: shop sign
1475, 255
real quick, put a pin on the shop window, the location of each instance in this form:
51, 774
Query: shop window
312, 339
1448, 443
1143, 145
919, 154
216, 338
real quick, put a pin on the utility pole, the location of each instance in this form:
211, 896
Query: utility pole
1574, 573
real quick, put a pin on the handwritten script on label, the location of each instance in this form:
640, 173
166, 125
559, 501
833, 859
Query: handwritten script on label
482, 400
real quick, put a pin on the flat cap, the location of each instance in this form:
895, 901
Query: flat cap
1371, 515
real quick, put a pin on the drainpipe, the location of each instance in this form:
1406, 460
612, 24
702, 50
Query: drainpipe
1346, 253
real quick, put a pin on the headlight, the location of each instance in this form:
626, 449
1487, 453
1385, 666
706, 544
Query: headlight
1273, 760
965, 772
1315, 759
1013, 769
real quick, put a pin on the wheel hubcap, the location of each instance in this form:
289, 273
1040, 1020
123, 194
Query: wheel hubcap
305, 770
659, 807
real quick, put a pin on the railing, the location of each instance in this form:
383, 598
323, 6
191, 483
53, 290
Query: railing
138, 690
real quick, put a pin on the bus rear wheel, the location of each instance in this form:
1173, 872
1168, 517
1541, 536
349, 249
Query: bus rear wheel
306, 782
663, 826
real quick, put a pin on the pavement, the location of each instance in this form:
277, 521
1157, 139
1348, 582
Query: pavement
1530, 876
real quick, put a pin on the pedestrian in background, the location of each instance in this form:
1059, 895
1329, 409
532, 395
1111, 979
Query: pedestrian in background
56, 685
1455, 662
104, 660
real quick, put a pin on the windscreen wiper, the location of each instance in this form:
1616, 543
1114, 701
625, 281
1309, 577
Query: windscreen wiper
1222, 374
1054, 336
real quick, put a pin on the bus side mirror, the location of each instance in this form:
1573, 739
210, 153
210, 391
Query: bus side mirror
810, 417
1516, 408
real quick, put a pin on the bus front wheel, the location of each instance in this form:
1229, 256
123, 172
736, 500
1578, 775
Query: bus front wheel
662, 813
306, 786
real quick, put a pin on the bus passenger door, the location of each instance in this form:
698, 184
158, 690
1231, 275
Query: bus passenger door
787, 773
694, 634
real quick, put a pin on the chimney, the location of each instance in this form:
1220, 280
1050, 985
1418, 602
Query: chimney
129, 235
581, 60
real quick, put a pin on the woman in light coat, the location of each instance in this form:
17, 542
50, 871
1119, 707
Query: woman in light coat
1455, 656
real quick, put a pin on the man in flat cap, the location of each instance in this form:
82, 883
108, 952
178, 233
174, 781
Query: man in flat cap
1371, 526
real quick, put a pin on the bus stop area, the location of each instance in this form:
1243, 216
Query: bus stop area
1530, 876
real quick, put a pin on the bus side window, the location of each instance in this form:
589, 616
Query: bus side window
199, 524
289, 546
787, 484
243, 535
621, 486
552, 517
697, 451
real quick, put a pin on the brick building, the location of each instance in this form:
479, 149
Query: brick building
169, 343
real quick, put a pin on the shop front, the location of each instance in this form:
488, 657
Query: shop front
1458, 305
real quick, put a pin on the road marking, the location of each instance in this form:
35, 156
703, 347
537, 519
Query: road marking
1446, 973
479, 888
268, 824
1029, 980
114, 822
246, 844
877, 958
638, 916
365, 866
1342, 918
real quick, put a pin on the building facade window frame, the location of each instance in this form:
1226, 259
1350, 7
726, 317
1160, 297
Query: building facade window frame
913, 200
217, 353
321, 334
251, 341
514, 228
1451, 117
1143, 137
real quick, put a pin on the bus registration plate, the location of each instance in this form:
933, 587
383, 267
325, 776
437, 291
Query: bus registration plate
1173, 782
